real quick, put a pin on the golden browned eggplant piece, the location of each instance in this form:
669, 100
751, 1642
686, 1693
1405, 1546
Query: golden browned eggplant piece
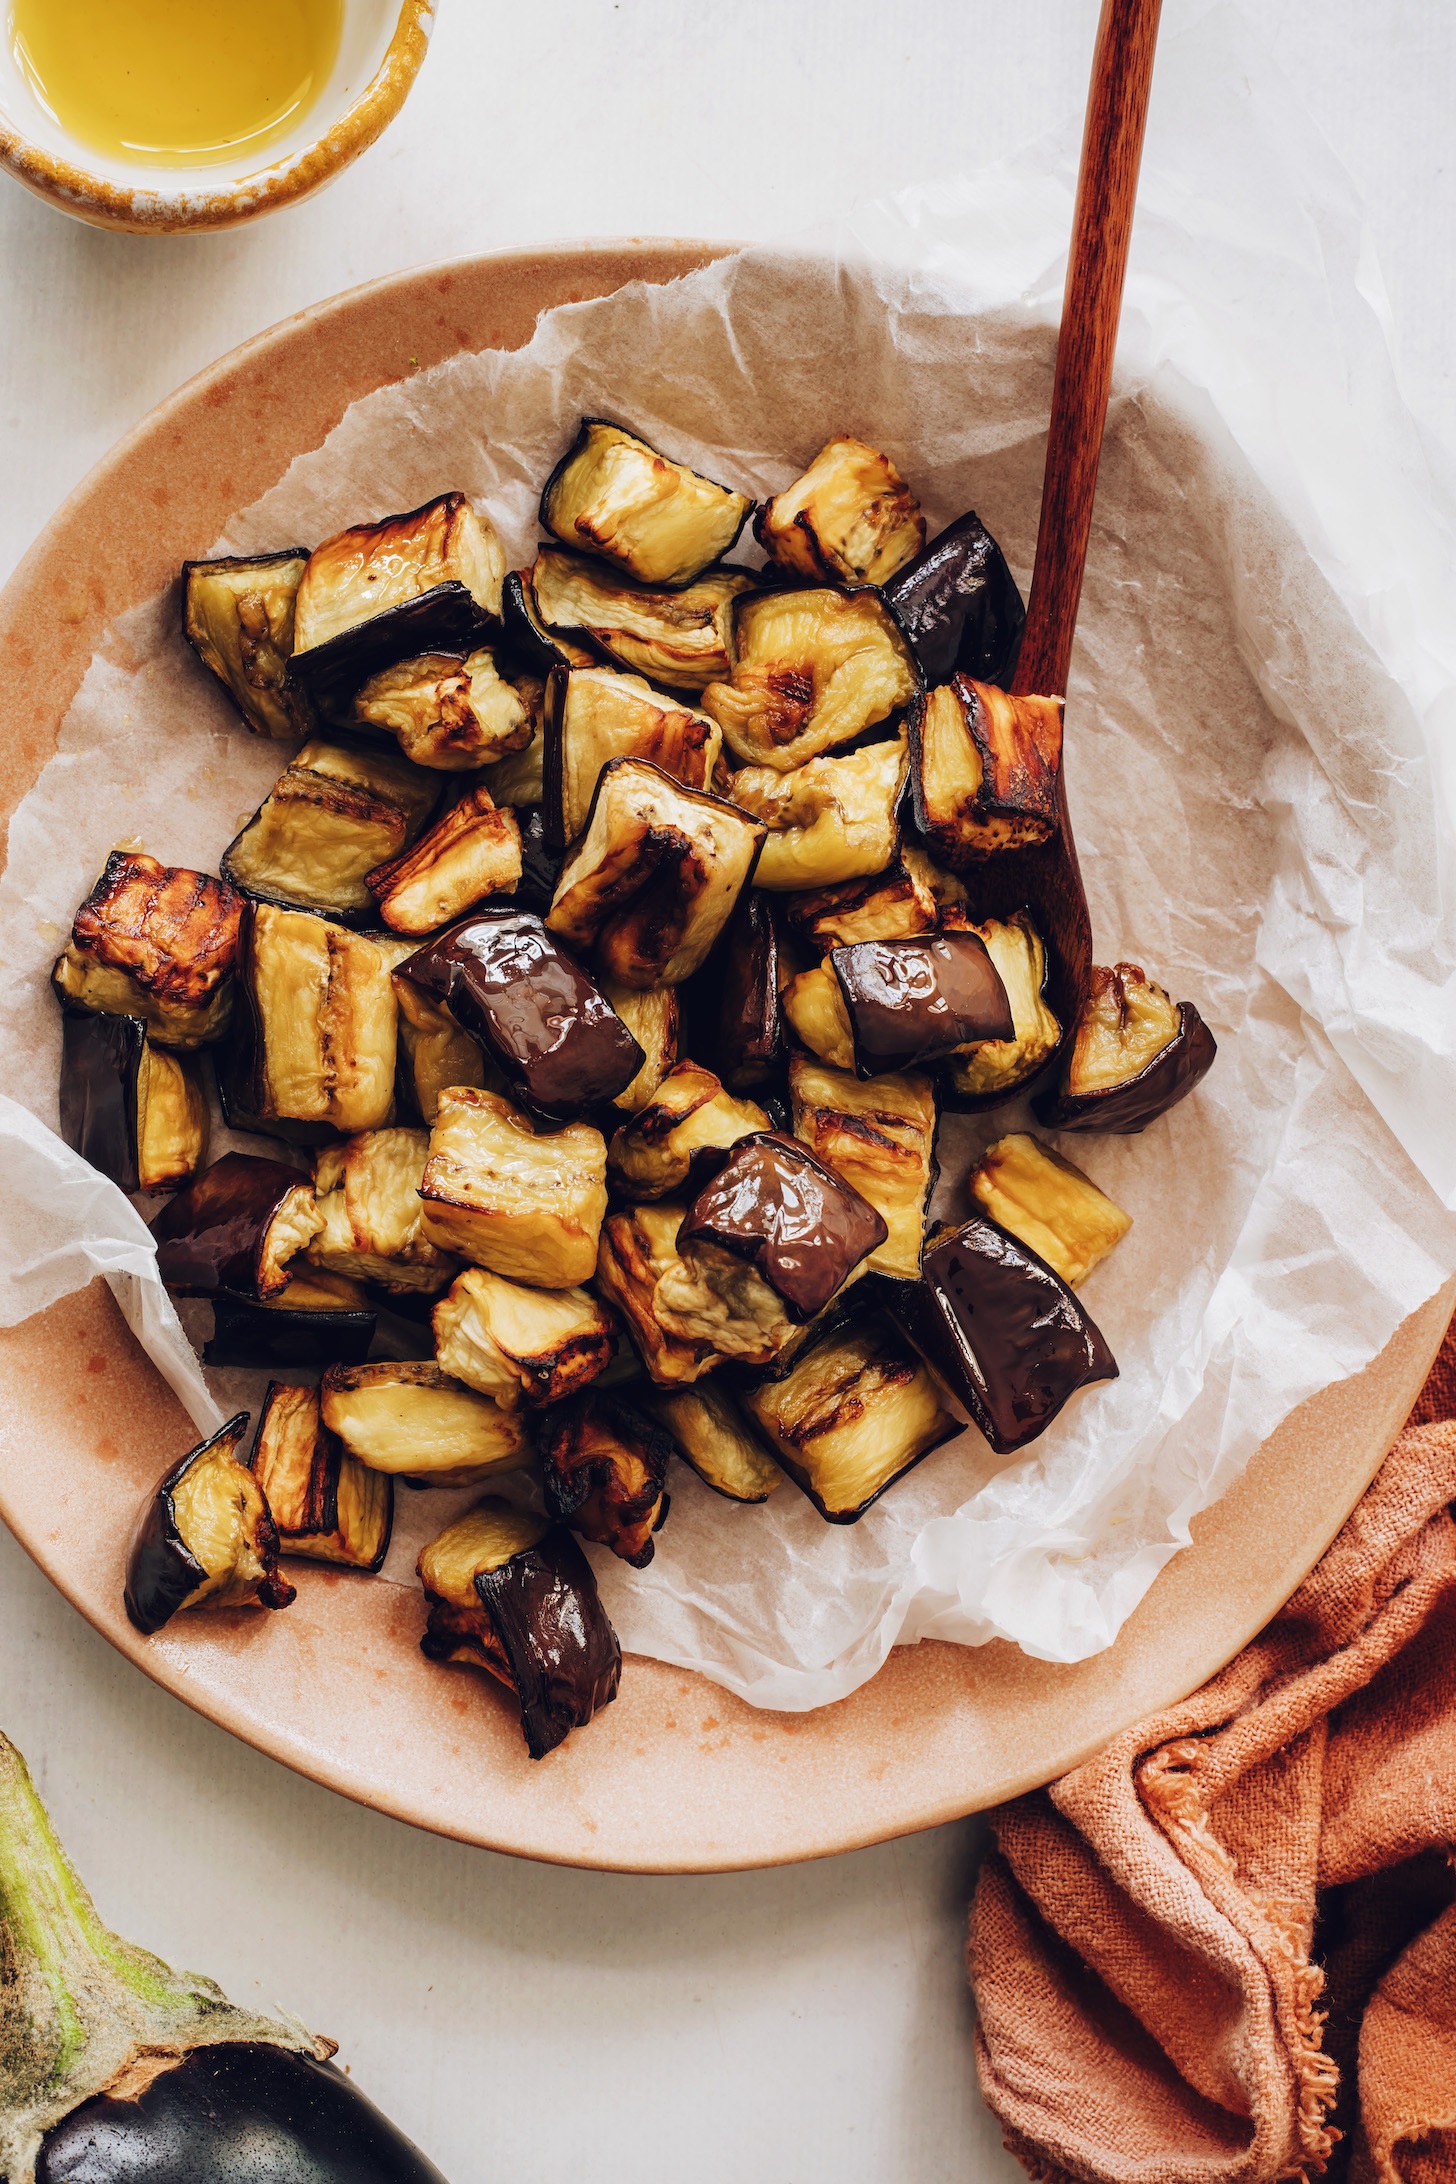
525, 1203
987, 1074
594, 715
602, 1470
474, 851
239, 1227
155, 941
916, 1001
815, 1008
880, 1136
368, 1192
518, 783
1048, 1205
520, 1345
652, 881
449, 711
638, 1248
711, 1434
811, 669
321, 1021
775, 1218
832, 819
654, 1019
676, 637
331, 817
983, 770
205, 1538
237, 615
509, 1593
612, 494
850, 519
1134, 1055
857, 1412
416, 1423
689, 1115
326, 1505
434, 1051
136, 1112
889, 905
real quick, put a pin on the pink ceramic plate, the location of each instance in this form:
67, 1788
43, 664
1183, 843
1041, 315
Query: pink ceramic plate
677, 1776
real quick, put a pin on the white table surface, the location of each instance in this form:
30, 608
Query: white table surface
785, 2027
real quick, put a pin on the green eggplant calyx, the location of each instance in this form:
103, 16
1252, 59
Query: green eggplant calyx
83, 2012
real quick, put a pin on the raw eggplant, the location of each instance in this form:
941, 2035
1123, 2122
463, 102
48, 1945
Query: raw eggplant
675, 637
612, 494
1048, 1205
520, 1345
850, 519
237, 615
135, 1111
155, 941
602, 1470
593, 715
335, 813
416, 1423
239, 1226
777, 1207
1132, 1056
958, 604
205, 1538
326, 1505
811, 670
525, 1203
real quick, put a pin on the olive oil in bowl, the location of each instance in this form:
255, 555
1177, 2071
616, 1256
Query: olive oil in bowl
176, 83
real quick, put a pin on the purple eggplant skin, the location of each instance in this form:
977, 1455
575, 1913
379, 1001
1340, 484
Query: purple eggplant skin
563, 1653
261, 1337
1125, 1109
530, 646
161, 1571
558, 1042
1002, 1333
212, 1234
914, 1001
243, 2113
801, 1226
444, 619
233, 1073
540, 863
958, 605
736, 1024
100, 1059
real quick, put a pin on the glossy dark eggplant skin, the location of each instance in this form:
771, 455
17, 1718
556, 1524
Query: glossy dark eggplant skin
558, 1042
563, 1653
912, 1001
211, 1235
238, 2113
101, 1057
1001, 1332
958, 604
445, 619
233, 1070
161, 1570
262, 1337
736, 1025
1125, 1109
802, 1227
540, 863
530, 644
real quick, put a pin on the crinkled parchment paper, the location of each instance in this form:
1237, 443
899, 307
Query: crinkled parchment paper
1258, 735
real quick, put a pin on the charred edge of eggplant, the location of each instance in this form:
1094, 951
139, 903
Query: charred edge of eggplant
235, 1074
260, 1337
235, 561
554, 1693
733, 1000
943, 642
447, 618
100, 1059
856, 1302
1124, 1110
579, 545
527, 639
162, 1572
1053, 992
540, 863
567, 1492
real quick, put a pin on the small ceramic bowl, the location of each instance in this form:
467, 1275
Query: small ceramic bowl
380, 53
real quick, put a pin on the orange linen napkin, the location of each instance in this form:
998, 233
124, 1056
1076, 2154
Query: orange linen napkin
1224, 1951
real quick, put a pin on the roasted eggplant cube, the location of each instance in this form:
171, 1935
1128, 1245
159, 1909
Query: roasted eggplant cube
368, 1193
850, 519
1003, 1334
240, 1226
155, 941
890, 905
638, 1250
447, 711
988, 1074
602, 1470
136, 1112
614, 495
592, 716
811, 669
712, 1435
332, 816
733, 1001
958, 604
205, 1538
912, 1001
473, 852
519, 1345
880, 1137
512, 1595
653, 879
237, 615
983, 771
814, 1008
556, 1040
326, 1505
526, 1204
322, 1036
833, 819
857, 1412
1134, 1054
527, 642
316, 1320
518, 783
673, 1141
654, 1019
675, 637
434, 1052
417, 1423
1048, 1205
800, 1227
